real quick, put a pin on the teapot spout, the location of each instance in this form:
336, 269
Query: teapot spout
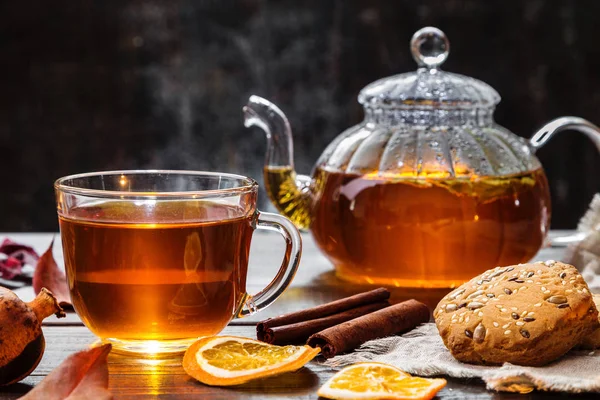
267, 116
289, 192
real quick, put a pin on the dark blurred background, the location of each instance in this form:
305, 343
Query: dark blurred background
97, 85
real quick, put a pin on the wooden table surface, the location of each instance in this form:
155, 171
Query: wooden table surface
315, 283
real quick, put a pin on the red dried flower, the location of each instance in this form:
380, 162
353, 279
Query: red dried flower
13, 256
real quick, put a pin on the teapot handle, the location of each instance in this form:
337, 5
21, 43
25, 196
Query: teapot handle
544, 134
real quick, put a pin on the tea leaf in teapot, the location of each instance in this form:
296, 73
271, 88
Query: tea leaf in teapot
489, 188
291, 200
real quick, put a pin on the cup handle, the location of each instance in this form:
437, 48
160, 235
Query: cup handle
289, 265
544, 134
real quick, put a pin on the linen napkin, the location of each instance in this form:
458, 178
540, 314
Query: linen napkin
422, 352
585, 255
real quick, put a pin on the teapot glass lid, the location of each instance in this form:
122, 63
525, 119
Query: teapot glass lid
429, 86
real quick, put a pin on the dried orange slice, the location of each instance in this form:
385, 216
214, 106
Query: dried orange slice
370, 380
232, 360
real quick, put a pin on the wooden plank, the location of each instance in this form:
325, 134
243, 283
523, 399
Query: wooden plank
142, 378
314, 284
134, 378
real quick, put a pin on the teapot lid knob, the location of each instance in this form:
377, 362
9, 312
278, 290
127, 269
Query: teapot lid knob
429, 87
429, 47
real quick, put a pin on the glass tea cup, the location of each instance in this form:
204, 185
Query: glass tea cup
156, 259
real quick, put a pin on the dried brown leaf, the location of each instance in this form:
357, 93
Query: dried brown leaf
83, 375
48, 275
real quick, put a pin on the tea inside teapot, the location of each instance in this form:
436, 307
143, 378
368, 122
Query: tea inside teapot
428, 232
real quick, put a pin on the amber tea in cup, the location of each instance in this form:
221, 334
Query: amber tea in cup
155, 259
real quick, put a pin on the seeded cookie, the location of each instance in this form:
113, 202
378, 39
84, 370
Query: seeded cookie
592, 341
526, 314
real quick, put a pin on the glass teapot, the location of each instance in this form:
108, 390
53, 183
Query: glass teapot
427, 191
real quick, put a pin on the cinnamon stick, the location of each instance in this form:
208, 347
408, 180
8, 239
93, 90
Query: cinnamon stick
300, 331
349, 335
334, 307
